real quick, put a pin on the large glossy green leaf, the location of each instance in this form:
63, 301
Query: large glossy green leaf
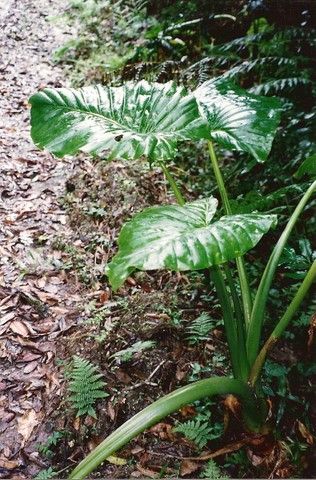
124, 122
239, 120
184, 238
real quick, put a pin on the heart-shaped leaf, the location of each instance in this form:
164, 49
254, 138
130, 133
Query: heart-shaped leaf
126, 122
239, 120
184, 238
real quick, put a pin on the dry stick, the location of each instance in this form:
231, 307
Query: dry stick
232, 447
147, 381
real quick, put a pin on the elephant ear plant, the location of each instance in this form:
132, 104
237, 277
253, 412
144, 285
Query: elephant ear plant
142, 119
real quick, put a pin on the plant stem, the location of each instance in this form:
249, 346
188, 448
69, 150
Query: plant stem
237, 307
243, 280
237, 350
234, 330
260, 303
163, 407
283, 323
173, 184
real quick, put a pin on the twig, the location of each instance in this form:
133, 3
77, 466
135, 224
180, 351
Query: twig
222, 451
147, 381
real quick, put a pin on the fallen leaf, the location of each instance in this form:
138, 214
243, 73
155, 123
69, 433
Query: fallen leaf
5, 318
77, 423
232, 404
187, 411
111, 411
30, 367
147, 472
187, 467
26, 424
9, 464
306, 434
163, 430
19, 328
116, 460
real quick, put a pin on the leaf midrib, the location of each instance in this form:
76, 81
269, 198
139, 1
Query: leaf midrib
122, 127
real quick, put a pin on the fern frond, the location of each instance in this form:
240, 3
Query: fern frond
46, 474
138, 347
241, 43
199, 329
280, 85
293, 33
195, 430
85, 386
248, 66
212, 471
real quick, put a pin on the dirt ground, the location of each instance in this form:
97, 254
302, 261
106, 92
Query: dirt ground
37, 305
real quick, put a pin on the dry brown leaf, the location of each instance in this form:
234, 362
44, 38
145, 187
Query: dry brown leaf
19, 328
187, 467
6, 317
111, 411
104, 296
163, 430
30, 367
26, 424
232, 404
187, 411
77, 423
8, 464
147, 472
306, 434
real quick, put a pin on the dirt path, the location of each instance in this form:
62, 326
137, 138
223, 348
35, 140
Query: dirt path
36, 306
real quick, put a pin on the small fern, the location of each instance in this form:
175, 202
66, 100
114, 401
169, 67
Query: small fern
212, 471
200, 430
47, 447
199, 329
46, 474
85, 386
138, 347
279, 85
257, 64
196, 431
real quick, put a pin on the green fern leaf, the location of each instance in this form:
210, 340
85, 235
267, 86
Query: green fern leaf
138, 347
199, 329
280, 85
198, 431
85, 387
46, 474
212, 471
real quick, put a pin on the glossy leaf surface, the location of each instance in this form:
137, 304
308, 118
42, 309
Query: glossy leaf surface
307, 167
239, 120
125, 122
184, 238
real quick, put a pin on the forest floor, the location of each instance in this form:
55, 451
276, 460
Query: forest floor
60, 221
37, 305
